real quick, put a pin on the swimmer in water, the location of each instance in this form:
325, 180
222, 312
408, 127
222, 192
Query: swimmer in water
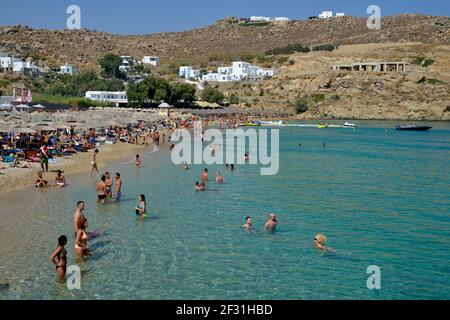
137, 161
319, 243
59, 258
219, 177
272, 223
185, 166
246, 157
200, 186
324, 144
141, 207
118, 187
248, 223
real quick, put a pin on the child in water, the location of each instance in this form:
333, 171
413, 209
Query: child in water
138, 161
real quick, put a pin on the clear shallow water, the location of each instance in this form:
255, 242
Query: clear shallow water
382, 198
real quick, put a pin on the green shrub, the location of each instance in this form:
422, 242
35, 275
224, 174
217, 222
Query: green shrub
254, 24
301, 104
211, 95
234, 98
282, 60
318, 97
289, 49
422, 61
427, 62
434, 81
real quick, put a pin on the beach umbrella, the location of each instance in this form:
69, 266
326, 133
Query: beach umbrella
164, 105
22, 106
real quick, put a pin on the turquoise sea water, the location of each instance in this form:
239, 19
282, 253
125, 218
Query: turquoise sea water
382, 198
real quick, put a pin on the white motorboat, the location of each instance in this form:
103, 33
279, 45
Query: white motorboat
271, 123
350, 125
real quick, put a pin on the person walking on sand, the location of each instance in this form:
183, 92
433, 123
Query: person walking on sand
44, 154
118, 187
94, 163
59, 258
101, 190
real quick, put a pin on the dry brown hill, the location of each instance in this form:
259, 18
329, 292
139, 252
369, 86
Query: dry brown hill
227, 37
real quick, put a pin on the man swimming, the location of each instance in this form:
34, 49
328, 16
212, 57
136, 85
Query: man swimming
185, 166
248, 223
272, 223
319, 243
200, 186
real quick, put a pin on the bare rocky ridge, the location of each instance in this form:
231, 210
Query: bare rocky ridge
225, 37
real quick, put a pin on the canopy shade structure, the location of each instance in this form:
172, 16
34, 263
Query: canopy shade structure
164, 105
22, 106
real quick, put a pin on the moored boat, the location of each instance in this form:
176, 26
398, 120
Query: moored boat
350, 125
413, 127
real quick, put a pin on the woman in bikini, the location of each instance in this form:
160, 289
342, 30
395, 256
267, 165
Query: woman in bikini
108, 185
60, 180
81, 247
141, 207
59, 258
94, 162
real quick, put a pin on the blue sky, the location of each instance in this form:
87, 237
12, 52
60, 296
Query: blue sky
149, 16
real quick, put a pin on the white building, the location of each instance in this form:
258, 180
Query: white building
326, 15
153, 60
187, 72
260, 18
117, 97
281, 19
340, 14
239, 70
68, 69
25, 67
6, 62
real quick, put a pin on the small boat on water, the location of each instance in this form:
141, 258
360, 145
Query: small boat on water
271, 123
322, 126
413, 127
251, 124
350, 125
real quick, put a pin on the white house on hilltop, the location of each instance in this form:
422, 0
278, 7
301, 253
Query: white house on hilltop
326, 15
260, 18
152, 60
25, 67
68, 69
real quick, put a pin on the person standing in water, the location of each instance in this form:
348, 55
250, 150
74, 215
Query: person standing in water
118, 187
248, 223
108, 185
219, 177
81, 241
137, 162
78, 217
141, 207
204, 175
272, 223
101, 190
59, 258
94, 163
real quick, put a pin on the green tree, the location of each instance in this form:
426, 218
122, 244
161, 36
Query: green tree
110, 64
212, 95
234, 98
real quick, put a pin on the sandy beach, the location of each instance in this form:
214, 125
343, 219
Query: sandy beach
16, 178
